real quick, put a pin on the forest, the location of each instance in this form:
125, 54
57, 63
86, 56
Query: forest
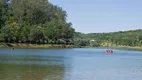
41, 22
123, 38
34, 22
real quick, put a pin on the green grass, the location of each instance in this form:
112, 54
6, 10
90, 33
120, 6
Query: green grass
18, 45
138, 48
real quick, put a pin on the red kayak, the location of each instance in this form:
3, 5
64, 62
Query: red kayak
108, 52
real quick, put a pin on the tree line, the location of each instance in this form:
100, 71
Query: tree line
34, 21
41, 22
123, 38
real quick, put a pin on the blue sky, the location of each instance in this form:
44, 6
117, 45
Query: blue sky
102, 15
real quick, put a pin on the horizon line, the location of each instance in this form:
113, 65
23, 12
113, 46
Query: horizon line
108, 32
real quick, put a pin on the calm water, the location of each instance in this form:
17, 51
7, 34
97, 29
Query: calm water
69, 64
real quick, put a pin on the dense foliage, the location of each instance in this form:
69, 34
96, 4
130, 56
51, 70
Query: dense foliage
40, 22
123, 38
34, 21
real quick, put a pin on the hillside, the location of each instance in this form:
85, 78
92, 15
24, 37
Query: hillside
41, 22
34, 22
123, 38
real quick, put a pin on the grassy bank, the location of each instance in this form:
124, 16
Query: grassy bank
138, 48
18, 45
131, 47
44, 46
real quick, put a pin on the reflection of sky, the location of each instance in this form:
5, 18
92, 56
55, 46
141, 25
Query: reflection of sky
9, 1
37, 60
75, 64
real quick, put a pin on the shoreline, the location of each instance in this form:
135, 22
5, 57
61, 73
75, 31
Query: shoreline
34, 46
50, 46
136, 48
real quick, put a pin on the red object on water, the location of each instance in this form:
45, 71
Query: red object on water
108, 52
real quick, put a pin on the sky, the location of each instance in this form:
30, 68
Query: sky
97, 16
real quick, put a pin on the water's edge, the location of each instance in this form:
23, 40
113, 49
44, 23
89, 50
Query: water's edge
31, 46
48, 46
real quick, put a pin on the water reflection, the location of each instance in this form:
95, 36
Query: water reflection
69, 64
33, 67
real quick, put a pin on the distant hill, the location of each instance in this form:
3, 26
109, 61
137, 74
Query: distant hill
127, 38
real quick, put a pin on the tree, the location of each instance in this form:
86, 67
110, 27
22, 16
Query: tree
3, 12
34, 21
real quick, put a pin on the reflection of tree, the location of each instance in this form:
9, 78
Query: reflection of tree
68, 66
54, 68
34, 72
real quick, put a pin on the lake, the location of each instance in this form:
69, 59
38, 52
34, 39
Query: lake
70, 64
